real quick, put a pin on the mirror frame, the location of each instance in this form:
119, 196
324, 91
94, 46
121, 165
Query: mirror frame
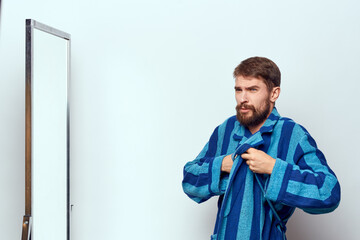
30, 26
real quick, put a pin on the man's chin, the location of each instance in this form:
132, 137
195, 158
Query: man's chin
244, 120
246, 116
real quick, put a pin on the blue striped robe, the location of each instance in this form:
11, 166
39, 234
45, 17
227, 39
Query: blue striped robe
300, 178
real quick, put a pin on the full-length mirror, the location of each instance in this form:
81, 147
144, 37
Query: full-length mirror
47, 197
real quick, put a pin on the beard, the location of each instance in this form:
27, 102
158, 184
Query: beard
258, 116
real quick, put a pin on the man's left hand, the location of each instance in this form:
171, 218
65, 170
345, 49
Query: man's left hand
258, 161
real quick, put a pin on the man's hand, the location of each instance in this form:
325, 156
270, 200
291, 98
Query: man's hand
258, 161
226, 164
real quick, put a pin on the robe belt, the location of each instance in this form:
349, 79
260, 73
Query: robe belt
242, 148
239, 150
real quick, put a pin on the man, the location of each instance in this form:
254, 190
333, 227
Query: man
260, 164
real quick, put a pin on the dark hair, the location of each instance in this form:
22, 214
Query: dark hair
262, 68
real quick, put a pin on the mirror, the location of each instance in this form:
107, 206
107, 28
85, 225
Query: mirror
47, 198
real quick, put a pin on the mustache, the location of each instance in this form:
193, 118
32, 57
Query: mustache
246, 106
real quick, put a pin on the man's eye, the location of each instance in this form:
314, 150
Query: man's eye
253, 89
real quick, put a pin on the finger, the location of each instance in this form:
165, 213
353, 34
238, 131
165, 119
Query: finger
245, 156
250, 150
250, 163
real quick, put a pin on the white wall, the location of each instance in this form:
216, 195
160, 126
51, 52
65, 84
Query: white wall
152, 79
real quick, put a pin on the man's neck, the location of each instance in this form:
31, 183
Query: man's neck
254, 129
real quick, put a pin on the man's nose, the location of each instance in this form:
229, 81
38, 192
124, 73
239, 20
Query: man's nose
243, 98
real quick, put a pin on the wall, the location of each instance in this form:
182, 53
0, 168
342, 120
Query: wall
151, 80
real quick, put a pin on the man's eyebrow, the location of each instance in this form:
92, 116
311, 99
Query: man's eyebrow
251, 87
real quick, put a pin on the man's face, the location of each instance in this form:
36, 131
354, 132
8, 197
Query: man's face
253, 101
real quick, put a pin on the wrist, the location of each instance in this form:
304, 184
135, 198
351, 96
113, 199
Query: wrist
272, 164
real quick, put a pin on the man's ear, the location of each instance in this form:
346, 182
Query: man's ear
275, 92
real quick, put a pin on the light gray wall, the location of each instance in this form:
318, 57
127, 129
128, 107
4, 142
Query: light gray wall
152, 79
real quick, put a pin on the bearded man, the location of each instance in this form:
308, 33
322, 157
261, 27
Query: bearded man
261, 165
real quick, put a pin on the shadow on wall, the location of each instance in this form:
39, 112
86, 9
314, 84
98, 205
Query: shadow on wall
0, 15
308, 226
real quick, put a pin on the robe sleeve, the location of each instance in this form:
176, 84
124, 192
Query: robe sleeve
202, 176
307, 183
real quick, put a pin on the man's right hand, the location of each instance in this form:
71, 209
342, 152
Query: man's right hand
227, 163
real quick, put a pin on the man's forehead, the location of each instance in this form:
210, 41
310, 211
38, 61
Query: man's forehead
249, 81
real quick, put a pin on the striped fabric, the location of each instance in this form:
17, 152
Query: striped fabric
300, 178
